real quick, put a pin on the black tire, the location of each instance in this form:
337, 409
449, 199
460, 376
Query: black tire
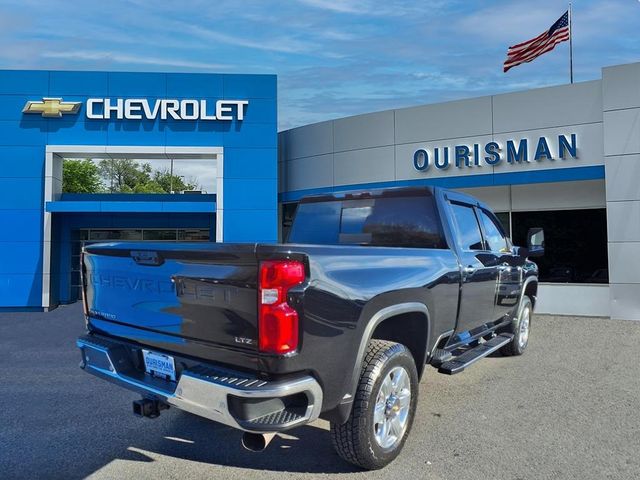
518, 345
355, 441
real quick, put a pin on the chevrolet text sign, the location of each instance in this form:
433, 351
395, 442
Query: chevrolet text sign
143, 109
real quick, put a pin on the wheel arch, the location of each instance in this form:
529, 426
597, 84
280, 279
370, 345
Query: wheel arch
530, 289
413, 315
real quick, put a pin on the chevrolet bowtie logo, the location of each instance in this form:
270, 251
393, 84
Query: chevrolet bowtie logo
51, 107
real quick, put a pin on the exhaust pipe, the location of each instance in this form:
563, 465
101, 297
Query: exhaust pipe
256, 442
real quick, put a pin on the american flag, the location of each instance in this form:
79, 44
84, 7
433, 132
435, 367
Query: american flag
543, 43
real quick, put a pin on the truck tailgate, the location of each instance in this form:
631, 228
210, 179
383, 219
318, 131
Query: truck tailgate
174, 292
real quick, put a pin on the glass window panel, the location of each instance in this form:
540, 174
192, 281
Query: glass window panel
194, 175
317, 222
288, 212
575, 244
393, 221
469, 236
193, 235
402, 221
160, 235
352, 222
115, 235
505, 221
495, 240
130, 175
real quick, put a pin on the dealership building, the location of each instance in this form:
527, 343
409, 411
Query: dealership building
566, 158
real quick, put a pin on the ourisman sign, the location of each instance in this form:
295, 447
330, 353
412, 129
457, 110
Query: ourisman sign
493, 153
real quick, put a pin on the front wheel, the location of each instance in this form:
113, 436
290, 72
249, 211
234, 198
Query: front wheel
383, 408
520, 327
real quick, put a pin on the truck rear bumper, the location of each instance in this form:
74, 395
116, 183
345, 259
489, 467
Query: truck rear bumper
231, 398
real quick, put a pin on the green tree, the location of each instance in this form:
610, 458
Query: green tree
124, 175
170, 182
80, 176
149, 187
128, 176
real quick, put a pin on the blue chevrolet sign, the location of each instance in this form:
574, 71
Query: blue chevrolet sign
48, 116
492, 153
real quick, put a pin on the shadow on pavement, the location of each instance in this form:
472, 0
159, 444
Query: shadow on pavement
59, 422
186, 437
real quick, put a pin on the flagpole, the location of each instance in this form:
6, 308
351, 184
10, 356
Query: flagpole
570, 44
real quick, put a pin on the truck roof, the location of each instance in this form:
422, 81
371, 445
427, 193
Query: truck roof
372, 193
395, 191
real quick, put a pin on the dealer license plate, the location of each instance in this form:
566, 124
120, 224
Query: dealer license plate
159, 365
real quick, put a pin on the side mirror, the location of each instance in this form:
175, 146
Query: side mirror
535, 242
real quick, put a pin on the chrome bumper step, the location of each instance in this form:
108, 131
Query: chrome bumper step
209, 392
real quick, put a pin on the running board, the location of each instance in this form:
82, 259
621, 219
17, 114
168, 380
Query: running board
458, 364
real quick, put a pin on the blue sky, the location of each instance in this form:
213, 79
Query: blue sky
333, 57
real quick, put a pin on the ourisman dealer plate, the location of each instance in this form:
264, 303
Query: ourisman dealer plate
159, 365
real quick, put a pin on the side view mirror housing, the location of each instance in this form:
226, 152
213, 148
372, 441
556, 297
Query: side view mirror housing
535, 242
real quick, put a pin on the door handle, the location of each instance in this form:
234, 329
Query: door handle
469, 270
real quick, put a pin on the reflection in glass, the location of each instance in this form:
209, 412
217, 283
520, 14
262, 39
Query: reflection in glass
115, 235
127, 175
495, 241
193, 235
395, 221
469, 236
575, 244
505, 220
160, 235
86, 236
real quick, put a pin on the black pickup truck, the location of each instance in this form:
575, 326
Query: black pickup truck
337, 323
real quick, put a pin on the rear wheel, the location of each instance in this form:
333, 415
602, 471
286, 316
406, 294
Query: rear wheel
383, 408
520, 327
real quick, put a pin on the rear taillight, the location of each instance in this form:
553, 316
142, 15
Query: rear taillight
278, 321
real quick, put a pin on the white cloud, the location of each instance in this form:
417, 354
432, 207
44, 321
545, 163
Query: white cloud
335, 35
376, 7
332, 57
102, 56
277, 44
341, 6
589, 20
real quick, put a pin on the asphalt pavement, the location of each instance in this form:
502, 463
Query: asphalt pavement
567, 409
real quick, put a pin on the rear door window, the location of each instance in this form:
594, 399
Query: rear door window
469, 236
493, 235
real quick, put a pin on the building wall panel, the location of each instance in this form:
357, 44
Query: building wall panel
312, 140
622, 177
542, 108
308, 172
364, 131
362, 166
559, 196
462, 118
